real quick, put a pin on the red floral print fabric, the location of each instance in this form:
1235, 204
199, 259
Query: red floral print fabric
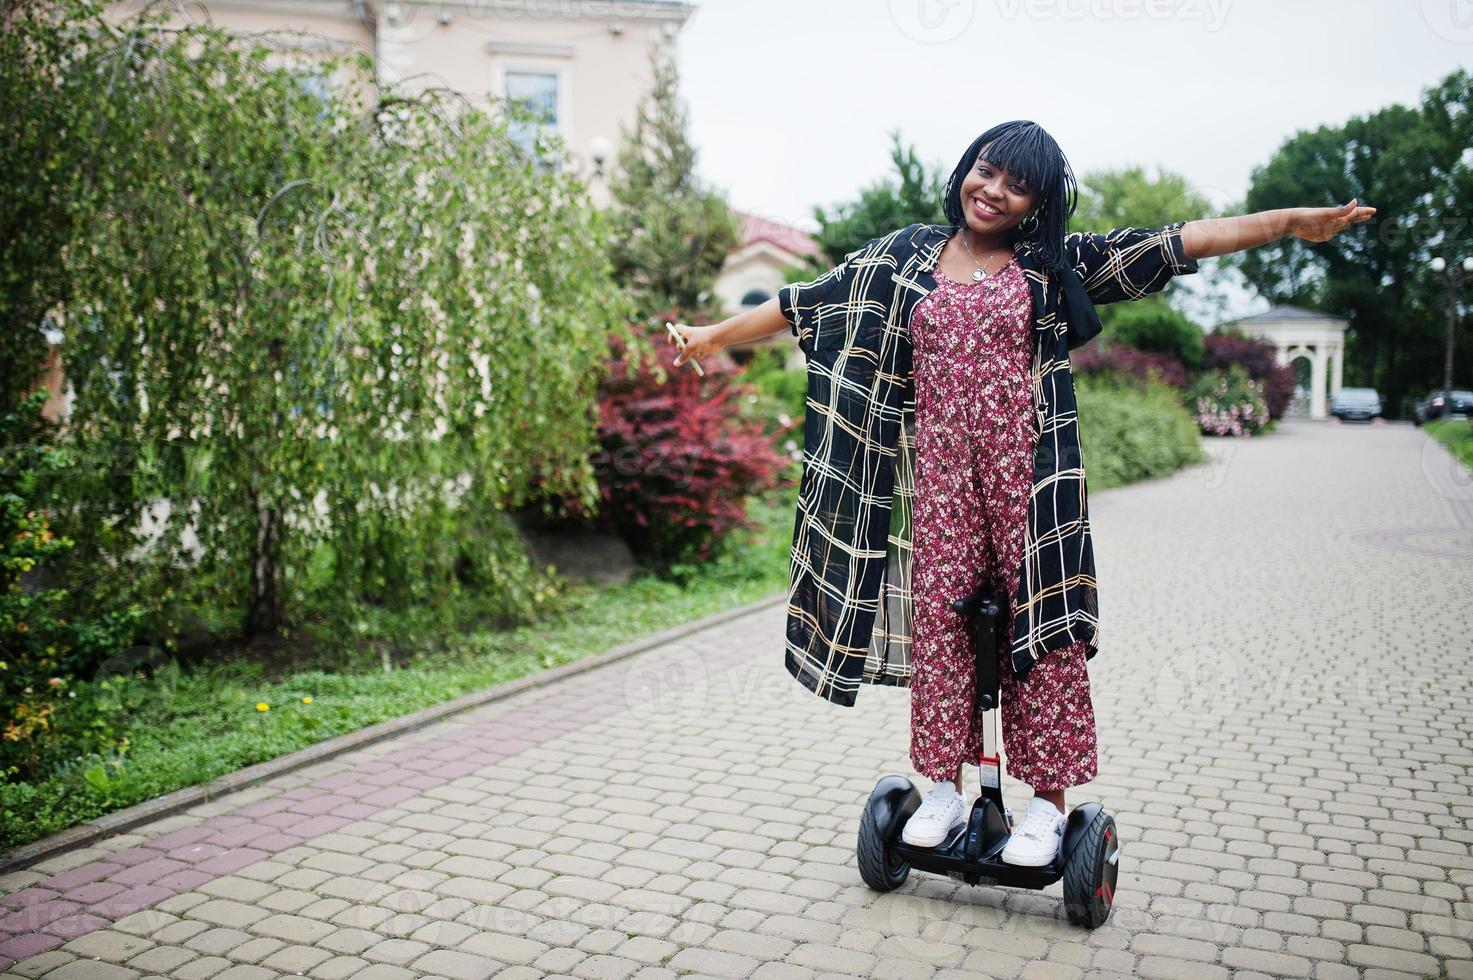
974, 472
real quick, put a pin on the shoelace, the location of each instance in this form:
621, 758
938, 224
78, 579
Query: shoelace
938, 798
1036, 823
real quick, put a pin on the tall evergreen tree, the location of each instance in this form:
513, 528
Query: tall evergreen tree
671, 234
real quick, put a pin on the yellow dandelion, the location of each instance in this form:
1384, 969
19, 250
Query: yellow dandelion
307, 700
263, 706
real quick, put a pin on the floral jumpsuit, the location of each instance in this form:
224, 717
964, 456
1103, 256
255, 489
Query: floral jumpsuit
974, 469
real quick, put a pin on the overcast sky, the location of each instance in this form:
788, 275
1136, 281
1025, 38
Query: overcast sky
791, 100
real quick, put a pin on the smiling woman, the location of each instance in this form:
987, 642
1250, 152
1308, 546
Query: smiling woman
942, 454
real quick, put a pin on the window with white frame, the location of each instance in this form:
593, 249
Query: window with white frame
537, 92
317, 84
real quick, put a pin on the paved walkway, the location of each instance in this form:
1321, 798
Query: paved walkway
1285, 706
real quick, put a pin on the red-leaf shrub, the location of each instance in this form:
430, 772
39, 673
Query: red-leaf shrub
1125, 362
679, 456
1258, 357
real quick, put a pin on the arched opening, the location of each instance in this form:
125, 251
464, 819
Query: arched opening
755, 297
1303, 384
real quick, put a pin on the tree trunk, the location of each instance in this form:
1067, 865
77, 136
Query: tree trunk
263, 614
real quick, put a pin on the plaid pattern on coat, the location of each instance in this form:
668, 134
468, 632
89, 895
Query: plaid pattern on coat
849, 586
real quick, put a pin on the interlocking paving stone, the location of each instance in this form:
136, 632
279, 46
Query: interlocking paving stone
1283, 704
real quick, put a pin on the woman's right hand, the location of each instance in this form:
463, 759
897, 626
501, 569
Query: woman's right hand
700, 342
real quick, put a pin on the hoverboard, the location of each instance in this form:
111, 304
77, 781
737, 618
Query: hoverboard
1088, 857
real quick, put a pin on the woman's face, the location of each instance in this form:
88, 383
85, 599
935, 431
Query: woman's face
994, 200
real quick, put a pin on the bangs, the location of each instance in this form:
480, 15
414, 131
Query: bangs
1024, 154
1025, 151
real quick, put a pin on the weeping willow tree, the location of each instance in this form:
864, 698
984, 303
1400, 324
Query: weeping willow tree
321, 337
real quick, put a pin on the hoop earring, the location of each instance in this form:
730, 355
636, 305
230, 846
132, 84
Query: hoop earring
1029, 225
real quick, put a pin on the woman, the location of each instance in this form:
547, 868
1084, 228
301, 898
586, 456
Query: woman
941, 420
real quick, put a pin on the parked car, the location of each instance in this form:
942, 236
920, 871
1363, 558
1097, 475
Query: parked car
1433, 404
1355, 403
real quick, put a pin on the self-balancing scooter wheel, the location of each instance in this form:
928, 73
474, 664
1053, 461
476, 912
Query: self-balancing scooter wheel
880, 865
1089, 873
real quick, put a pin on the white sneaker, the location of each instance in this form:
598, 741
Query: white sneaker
1035, 842
941, 811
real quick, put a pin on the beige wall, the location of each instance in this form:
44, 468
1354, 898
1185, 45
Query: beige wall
334, 22
598, 49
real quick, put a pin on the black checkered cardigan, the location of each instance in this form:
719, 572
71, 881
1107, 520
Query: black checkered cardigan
849, 585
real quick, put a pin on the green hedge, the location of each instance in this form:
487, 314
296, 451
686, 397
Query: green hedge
1131, 433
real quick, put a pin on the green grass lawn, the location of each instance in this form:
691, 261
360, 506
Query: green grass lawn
1456, 434
188, 726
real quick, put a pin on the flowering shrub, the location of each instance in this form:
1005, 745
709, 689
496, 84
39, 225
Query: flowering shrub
1229, 403
680, 453
1259, 359
1127, 363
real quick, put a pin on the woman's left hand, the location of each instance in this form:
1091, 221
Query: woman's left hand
1322, 224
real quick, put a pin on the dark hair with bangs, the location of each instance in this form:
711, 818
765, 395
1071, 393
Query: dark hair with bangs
1025, 150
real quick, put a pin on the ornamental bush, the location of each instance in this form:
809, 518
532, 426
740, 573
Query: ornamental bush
786, 388
680, 454
1228, 403
1152, 326
45, 634
1259, 359
1130, 431
1124, 362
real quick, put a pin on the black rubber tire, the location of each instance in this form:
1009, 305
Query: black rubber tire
1089, 884
880, 867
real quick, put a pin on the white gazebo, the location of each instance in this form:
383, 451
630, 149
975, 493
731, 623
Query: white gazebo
1317, 337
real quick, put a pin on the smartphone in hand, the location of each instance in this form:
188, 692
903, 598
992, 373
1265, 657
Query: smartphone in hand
680, 342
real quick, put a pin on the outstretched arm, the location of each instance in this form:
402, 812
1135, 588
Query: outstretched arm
798, 306
1206, 237
1128, 263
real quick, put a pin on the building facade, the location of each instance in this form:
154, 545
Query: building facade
582, 65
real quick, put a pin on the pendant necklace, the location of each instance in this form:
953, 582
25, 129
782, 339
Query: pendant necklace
980, 273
